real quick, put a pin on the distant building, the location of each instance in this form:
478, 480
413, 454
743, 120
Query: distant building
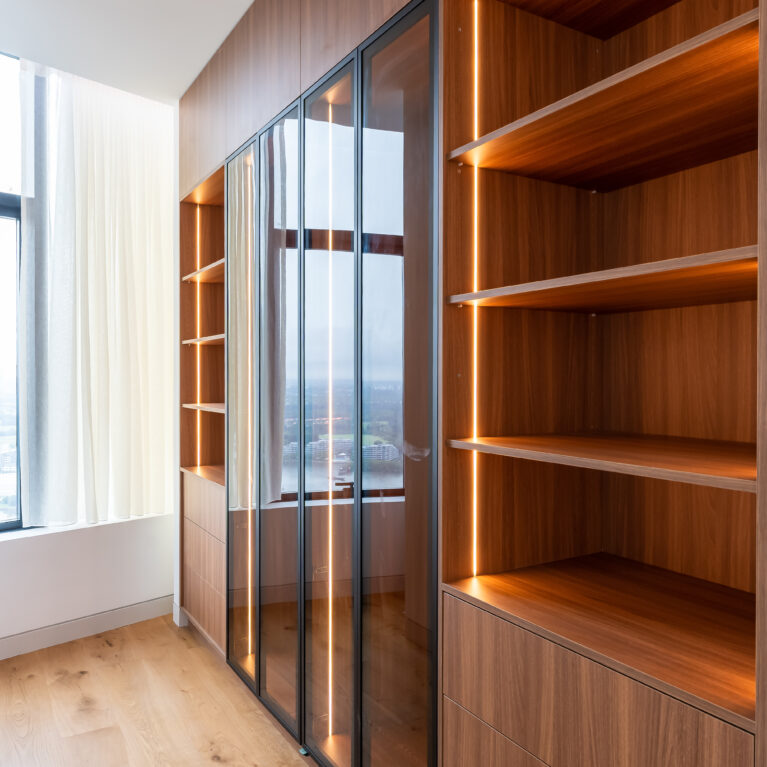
8, 461
319, 450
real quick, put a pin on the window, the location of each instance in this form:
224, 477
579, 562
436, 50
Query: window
10, 214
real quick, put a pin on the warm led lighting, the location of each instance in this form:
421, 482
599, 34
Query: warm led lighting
475, 345
249, 245
330, 420
198, 255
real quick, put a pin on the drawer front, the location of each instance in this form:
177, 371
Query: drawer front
468, 742
205, 505
569, 711
204, 581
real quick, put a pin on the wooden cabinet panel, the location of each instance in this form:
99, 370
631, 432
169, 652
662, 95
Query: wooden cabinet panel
467, 742
330, 29
204, 582
569, 711
262, 67
205, 505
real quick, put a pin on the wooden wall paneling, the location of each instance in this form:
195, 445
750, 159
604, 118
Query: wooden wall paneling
670, 27
565, 709
761, 415
699, 531
211, 444
688, 372
701, 210
212, 378
525, 63
263, 60
595, 17
331, 29
468, 741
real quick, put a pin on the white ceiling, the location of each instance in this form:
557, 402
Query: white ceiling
151, 47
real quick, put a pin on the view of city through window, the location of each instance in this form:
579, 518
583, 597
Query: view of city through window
8, 463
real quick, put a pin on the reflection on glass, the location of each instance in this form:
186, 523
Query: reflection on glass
9, 510
329, 416
280, 426
241, 351
396, 399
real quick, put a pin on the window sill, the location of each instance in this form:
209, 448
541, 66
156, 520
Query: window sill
34, 532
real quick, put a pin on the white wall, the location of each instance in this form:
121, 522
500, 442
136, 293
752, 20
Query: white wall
57, 585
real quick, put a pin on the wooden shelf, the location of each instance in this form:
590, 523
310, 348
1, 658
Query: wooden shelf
211, 273
216, 340
208, 407
688, 637
728, 465
598, 18
216, 474
692, 104
709, 278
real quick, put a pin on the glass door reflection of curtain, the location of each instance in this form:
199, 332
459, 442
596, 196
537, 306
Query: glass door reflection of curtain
280, 417
241, 393
396, 397
329, 412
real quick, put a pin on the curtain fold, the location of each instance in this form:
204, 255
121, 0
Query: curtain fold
96, 347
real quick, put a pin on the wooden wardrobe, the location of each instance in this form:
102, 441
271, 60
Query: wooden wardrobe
603, 528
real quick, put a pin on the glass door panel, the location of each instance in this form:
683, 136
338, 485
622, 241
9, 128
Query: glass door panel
396, 398
279, 386
329, 397
241, 397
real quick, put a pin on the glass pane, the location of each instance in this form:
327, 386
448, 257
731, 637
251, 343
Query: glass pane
329, 414
241, 351
280, 410
9, 510
396, 399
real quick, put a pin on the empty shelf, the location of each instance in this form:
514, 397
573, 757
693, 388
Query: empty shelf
689, 637
694, 103
728, 465
215, 474
211, 273
216, 340
709, 278
208, 407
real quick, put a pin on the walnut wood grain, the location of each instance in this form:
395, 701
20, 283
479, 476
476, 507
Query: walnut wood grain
600, 18
701, 279
468, 741
729, 465
565, 709
692, 104
682, 635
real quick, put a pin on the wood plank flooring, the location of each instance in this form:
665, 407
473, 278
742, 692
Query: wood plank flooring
147, 695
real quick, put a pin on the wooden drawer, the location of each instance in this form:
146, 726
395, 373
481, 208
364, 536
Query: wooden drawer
204, 581
205, 505
569, 711
468, 742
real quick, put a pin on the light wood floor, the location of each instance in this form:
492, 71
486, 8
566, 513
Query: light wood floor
145, 695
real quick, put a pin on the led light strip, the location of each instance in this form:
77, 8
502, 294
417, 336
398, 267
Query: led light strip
198, 255
475, 360
330, 420
248, 250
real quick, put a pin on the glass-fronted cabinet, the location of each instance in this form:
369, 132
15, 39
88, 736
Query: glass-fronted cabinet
241, 356
332, 591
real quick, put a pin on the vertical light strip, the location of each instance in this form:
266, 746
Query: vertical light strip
475, 355
198, 329
249, 290
330, 420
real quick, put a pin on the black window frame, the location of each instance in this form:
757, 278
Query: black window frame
10, 207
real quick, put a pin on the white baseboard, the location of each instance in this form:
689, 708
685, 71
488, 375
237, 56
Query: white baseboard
48, 636
179, 615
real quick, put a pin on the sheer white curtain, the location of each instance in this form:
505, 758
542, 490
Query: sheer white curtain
96, 331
